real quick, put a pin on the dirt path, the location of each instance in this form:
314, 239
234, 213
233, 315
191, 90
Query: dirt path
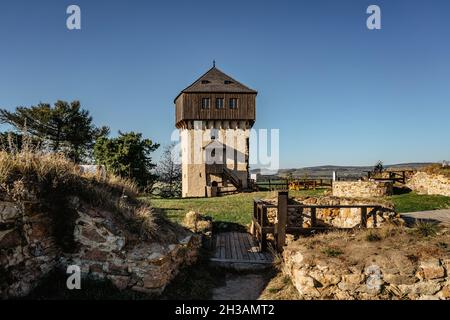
241, 287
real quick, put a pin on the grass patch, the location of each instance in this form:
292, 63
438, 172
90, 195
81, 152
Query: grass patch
413, 202
332, 252
236, 208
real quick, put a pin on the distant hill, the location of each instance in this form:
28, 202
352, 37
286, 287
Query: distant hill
342, 171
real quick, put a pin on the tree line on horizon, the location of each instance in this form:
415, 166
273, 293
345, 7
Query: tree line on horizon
67, 128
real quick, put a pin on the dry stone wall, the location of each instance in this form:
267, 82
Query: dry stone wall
362, 189
431, 184
380, 277
28, 251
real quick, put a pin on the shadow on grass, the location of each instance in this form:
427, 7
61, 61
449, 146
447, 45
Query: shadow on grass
401, 190
225, 226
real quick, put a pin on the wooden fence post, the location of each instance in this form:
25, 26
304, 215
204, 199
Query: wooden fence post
374, 217
263, 242
255, 215
313, 217
281, 219
363, 217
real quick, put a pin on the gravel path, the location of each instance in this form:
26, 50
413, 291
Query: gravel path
441, 216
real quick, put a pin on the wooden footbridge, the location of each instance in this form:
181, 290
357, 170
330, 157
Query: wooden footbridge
238, 248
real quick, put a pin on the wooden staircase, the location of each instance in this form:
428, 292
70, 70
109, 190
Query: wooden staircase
235, 181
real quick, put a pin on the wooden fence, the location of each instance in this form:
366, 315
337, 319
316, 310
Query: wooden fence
294, 184
261, 226
394, 176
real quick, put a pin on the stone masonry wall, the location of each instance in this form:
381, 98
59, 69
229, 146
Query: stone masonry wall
381, 277
432, 184
28, 251
362, 189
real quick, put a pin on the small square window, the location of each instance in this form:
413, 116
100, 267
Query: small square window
205, 103
219, 103
233, 103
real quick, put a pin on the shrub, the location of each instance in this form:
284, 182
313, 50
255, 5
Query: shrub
426, 229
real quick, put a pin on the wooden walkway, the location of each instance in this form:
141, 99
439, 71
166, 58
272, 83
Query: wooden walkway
238, 247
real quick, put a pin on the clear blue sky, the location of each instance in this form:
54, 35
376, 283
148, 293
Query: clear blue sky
339, 93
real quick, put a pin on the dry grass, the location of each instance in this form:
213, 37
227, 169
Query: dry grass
55, 180
356, 248
280, 287
437, 169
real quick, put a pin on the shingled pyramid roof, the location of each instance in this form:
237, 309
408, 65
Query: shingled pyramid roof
214, 80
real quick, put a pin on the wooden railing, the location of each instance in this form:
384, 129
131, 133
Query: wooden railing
394, 176
261, 226
294, 184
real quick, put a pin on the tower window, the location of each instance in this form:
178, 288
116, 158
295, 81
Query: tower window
233, 103
228, 82
205, 103
205, 81
219, 103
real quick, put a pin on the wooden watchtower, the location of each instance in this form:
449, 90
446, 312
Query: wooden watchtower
214, 115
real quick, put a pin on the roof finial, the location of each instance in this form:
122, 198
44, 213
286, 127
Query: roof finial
214, 63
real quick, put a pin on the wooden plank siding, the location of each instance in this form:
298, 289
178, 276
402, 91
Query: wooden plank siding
188, 107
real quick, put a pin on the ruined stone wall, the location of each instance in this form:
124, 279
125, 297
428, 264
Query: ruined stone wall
109, 252
432, 184
28, 251
362, 189
393, 276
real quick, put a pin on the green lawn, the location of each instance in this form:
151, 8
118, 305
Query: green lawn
238, 208
235, 208
412, 202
